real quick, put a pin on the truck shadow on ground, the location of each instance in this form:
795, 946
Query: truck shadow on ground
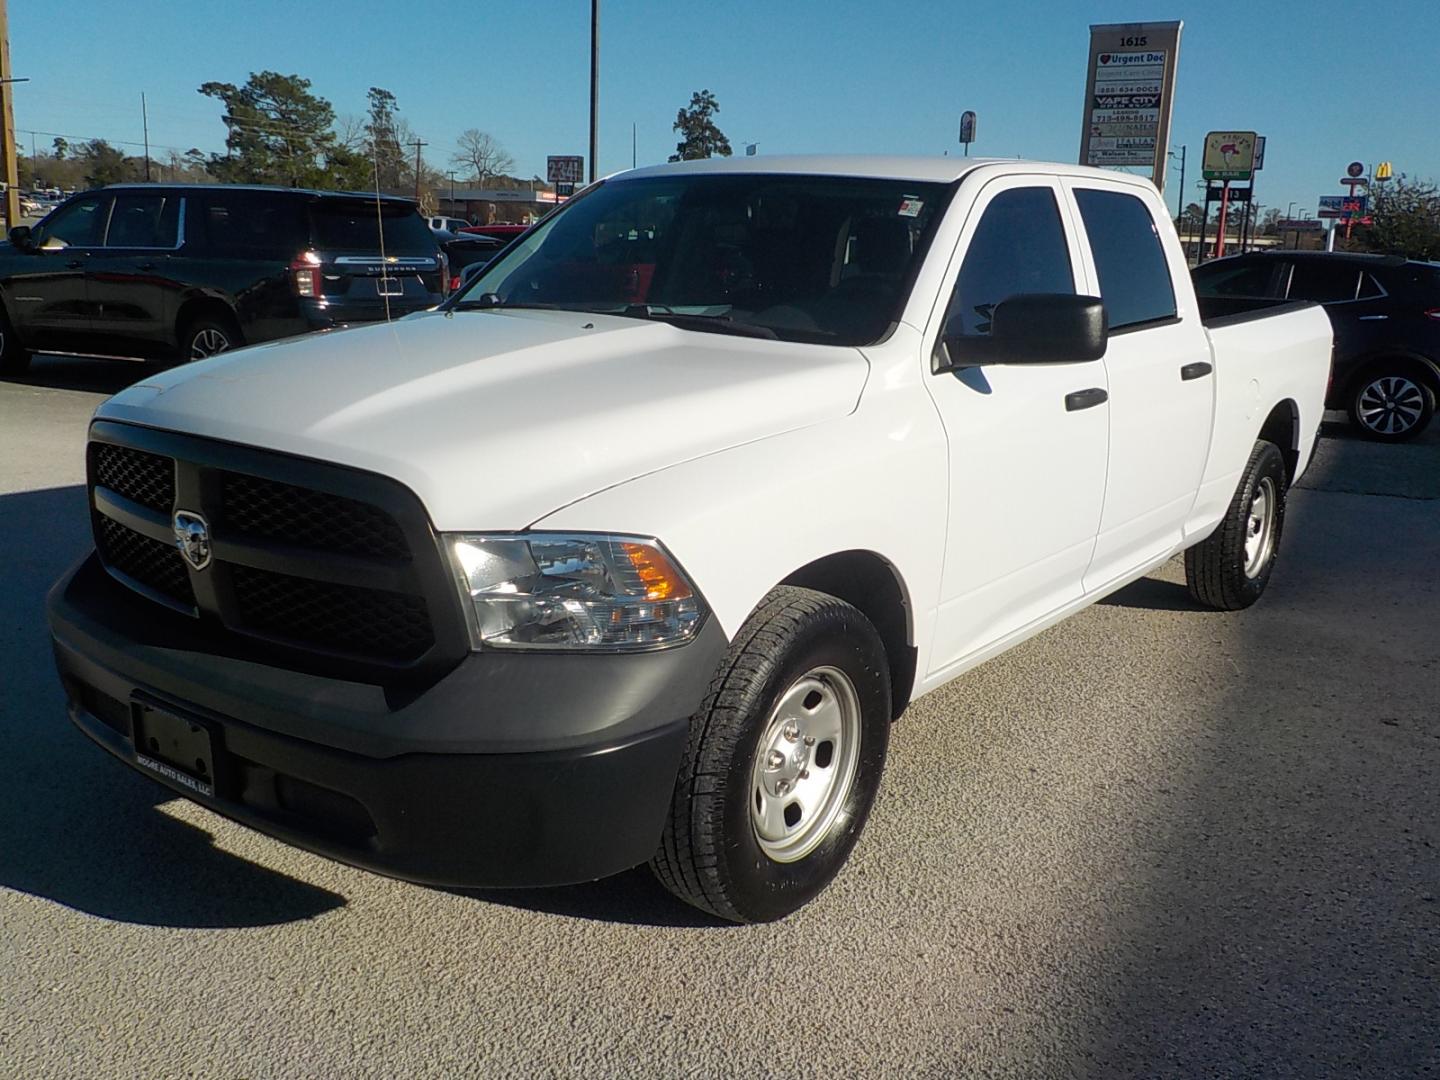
633, 898
80, 373
75, 826
1152, 594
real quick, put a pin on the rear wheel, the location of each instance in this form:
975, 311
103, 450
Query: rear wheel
1230, 568
207, 336
784, 761
1391, 405
14, 359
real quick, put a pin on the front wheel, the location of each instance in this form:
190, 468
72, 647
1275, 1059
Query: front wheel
784, 761
1230, 568
1391, 406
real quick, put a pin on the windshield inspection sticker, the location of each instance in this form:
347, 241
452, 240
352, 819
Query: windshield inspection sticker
911, 205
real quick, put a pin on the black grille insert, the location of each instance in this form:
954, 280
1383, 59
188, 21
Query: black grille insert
309, 519
160, 566
342, 618
147, 479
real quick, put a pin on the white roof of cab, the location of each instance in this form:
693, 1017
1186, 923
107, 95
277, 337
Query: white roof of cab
937, 169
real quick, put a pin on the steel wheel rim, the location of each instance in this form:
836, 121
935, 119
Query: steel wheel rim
208, 342
1260, 527
1390, 405
805, 764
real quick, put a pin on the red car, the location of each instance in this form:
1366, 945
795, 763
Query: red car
502, 231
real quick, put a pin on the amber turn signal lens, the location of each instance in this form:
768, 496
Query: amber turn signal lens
661, 579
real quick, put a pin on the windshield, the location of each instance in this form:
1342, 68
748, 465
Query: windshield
801, 258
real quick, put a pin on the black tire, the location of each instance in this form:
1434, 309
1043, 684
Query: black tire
14, 359
1391, 403
711, 854
1218, 570
198, 338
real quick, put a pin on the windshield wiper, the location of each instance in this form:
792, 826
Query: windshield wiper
492, 302
719, 324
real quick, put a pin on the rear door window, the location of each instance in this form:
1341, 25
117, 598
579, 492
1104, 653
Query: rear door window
1324, 281
357, 225
144, 220
1018, 247
1134, 275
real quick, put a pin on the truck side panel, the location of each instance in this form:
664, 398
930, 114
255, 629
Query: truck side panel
1261, 362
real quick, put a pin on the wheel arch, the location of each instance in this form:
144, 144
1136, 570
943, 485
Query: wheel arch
1282, 427
1402, 361
200, 306
872, 584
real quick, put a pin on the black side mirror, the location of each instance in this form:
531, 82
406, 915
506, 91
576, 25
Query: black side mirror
20, 237
1032, 328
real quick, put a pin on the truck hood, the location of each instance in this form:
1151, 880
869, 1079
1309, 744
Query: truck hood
497, 418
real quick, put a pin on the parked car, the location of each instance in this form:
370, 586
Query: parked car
178, 272
502, 230
467, 250
1386, 315
635, 549
447, 224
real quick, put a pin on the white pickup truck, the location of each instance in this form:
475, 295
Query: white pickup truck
635, 548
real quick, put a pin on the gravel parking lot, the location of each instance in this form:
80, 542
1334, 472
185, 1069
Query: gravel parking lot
1152, 841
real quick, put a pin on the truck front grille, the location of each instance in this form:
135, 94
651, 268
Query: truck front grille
368, 622
310, 519
151, 563
147, 479
314, 559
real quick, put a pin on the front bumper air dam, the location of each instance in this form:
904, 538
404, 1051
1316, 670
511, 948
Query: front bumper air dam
442, 789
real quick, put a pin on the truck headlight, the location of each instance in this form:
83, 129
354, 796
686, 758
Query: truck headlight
572, 591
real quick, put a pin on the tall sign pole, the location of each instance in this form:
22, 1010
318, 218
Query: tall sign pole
7, 126
1129, 96
594, 84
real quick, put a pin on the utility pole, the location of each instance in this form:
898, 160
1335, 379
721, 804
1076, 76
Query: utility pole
632, 144
1180, 202
451, 174
145, 123
418, 144
594, 84
11, 175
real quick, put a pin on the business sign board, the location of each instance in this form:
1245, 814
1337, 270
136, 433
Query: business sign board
1299, 224
1229, 155
1129, 95
967, 127
566, 169
1343, 206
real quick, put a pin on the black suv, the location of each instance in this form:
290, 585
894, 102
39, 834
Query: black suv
178, 272
1385, 312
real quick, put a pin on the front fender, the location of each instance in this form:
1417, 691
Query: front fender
742, 520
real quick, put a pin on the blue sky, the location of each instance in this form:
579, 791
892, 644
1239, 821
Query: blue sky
1326, 81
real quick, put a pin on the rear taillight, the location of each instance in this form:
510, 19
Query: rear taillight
454, 283
305, 274
446, 282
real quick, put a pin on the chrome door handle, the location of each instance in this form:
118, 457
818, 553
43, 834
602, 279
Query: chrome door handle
1372, 318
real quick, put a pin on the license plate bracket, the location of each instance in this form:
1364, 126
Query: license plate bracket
179, 748
388, 285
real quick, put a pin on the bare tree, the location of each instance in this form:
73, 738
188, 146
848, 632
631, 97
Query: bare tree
351, 132
479, 152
